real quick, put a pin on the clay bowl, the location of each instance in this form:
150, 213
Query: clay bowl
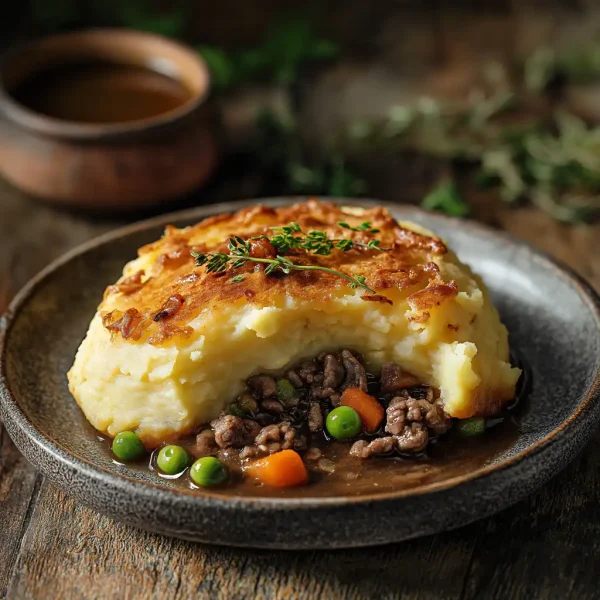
107, 166
554, 323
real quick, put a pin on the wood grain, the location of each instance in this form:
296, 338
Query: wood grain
66, 540
19, 484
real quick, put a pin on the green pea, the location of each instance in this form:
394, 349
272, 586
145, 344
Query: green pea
285, 391
208, 472
343, 423
236, 410
127, 446
172, 460
470, 427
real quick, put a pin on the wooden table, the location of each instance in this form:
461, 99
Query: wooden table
548, 546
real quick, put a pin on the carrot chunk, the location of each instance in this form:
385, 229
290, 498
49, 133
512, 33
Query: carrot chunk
369, 409
282, 469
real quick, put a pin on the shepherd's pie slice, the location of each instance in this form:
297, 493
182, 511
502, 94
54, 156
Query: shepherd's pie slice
172, 344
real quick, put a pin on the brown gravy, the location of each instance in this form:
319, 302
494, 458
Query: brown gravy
100, 93
451, 456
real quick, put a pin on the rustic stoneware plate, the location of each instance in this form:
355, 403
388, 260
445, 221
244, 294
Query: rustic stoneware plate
554, 322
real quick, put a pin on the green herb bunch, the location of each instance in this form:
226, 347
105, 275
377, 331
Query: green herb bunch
289, 168
554, 163
289, 45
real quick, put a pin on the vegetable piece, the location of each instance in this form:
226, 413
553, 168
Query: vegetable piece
172, 460
368, 408
236, 410
285, 391
471, 427
208, 472
343, 423
127, 446
282, 469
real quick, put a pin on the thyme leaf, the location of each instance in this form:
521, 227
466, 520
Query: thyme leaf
365, 226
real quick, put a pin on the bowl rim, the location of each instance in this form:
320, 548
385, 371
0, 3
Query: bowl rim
39, 123
589, 405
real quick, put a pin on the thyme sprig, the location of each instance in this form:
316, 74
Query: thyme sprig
315, 242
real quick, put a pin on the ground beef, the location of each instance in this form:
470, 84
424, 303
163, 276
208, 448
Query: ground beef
333, 372
205, 443
276, 437
232, 431
402, 411
319, 393
356, 375
394, 379
250, 452
409, 422
315, 417
414, 438
365, 449
307, 371
263, 385
435, 418
396, 416
294, 378
273, 407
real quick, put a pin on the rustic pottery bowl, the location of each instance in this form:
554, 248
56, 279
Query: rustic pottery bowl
114, 166
554, 322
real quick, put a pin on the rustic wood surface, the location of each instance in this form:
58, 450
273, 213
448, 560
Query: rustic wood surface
548, 546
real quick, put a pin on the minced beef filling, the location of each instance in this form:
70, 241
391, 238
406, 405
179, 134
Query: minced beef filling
289, 413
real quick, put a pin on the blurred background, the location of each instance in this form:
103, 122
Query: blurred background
461, 106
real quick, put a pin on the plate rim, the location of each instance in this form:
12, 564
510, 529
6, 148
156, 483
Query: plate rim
10, 408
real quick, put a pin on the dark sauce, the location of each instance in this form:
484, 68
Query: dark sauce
451, 455
100, 93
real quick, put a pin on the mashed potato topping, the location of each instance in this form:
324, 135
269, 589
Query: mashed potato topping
172, 345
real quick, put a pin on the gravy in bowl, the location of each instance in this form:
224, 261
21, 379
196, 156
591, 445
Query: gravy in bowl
100, 92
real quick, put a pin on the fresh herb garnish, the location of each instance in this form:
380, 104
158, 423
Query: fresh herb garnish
217, 262
315, 242
237, 279
366, 226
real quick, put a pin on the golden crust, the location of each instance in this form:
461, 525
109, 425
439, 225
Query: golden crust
157, 303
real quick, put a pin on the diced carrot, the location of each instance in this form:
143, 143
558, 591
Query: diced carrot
282, 469
369, 410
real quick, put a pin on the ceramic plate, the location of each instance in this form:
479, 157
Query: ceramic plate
554, 323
